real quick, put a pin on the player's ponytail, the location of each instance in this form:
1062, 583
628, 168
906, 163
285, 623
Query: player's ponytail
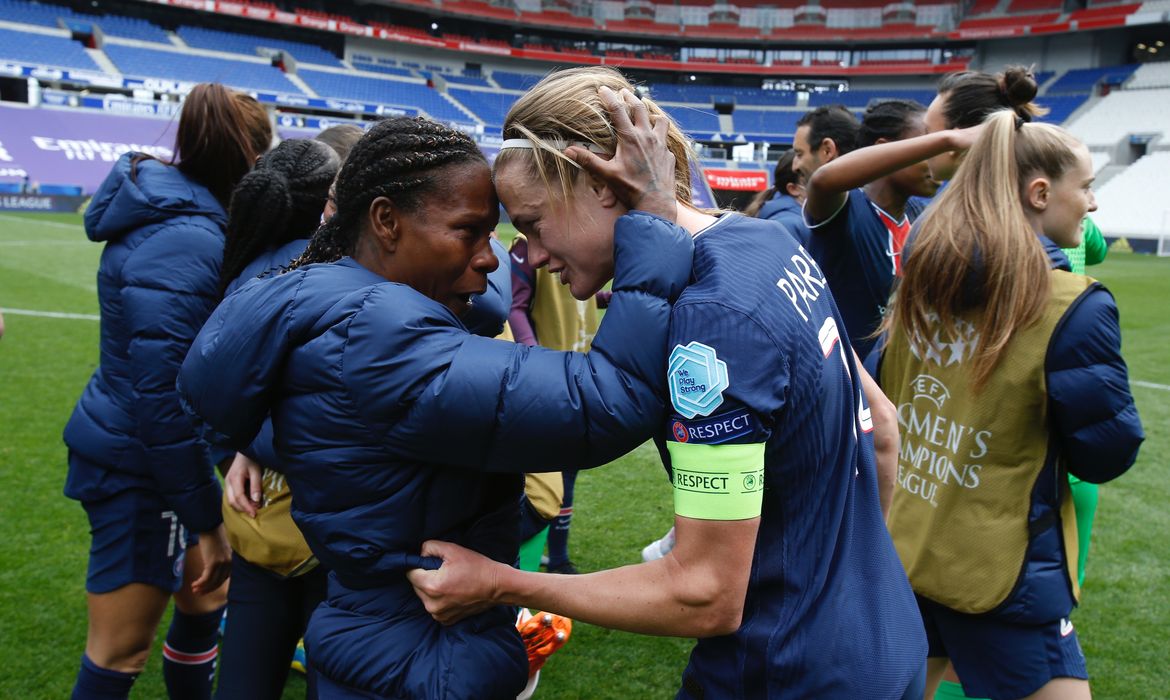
976, 257
278, 201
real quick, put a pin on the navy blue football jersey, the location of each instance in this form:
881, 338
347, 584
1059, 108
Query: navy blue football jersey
860, 251
768, 419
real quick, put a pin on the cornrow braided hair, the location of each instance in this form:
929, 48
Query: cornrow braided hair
887, 120
398, 158
280, 200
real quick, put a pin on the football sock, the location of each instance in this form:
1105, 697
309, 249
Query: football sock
189, 655
558, 536
97, 683
1084, 497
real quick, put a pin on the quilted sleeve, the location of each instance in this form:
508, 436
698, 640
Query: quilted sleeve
1094, 419
496, 405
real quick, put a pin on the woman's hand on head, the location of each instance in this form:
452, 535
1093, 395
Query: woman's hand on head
641, 172
465, 585
244, 487
962, 139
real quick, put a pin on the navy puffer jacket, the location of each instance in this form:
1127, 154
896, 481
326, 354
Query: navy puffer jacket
392, 423
157, 283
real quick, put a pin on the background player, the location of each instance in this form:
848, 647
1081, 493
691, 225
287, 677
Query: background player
982, 519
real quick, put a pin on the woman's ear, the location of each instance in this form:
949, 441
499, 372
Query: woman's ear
384, 223
1037, 192
603, 193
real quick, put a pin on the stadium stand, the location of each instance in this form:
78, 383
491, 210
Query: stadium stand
1150, 75
56, 16
1060, 107
695, 121
862, 98
55, 50
766, 124
454, 79
709, 94
490, 107
1086, 80
515, 81
386, 91
215, 40
1134, 202
1122, 113
384, 69
123, 27
180, 65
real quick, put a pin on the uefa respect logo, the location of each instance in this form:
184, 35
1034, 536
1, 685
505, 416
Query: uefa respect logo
697, 379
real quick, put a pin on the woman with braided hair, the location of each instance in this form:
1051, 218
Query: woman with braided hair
391, 421
276, 582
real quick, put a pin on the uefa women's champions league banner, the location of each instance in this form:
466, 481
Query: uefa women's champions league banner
61, 147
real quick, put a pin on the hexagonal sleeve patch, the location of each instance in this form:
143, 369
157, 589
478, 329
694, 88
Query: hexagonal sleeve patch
697, 379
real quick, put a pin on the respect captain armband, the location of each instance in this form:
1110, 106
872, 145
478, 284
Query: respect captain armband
717, 482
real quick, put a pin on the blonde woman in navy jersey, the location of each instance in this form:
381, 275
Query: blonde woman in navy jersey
1015, 364
780, 539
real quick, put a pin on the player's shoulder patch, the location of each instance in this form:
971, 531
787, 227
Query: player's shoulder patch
697, 379
714, 430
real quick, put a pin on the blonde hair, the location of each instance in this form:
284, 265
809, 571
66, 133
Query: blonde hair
565, 107
976, 254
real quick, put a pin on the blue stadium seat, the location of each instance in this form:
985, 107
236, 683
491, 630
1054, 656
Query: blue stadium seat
1085, 80
42, 50
111, 25
491, 107
515, 81
778, 125
1060, 106
862, 98
709, 94
173, 65
128, 28
32, 13
386, 91
700, 123
387, 70
454, 79
216, 40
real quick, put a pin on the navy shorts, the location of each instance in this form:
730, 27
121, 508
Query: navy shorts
998, 659
136, 538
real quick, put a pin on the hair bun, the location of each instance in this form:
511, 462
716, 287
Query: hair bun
1018, 86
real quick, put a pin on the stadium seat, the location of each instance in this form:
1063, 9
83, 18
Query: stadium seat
862, 98
1121, 113
177, 65
491, 107
44, 50
385, 91
1134, 201
215, 40
1150, 75
771, 124
515, 81
385, 70
1086, 80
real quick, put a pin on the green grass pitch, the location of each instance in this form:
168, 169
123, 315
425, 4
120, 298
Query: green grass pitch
46, 264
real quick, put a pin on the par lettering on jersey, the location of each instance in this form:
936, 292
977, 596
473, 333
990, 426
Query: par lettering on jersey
697, 379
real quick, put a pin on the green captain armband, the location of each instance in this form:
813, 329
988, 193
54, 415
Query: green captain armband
717, 482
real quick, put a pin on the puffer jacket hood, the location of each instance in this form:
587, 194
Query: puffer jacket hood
143, 193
